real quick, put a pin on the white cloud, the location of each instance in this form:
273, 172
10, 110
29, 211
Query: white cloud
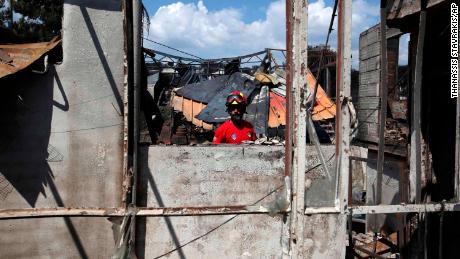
210, 34
319, 17
191, 27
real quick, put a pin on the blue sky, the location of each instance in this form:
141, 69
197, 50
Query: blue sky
252, 10
223, 28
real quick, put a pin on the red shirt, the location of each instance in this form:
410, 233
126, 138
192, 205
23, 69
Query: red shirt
230, 133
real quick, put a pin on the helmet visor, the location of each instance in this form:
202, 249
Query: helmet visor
235, 99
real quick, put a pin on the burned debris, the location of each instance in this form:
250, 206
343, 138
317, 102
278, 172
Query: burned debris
70, 156
189, 95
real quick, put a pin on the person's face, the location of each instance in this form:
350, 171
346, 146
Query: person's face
236, 112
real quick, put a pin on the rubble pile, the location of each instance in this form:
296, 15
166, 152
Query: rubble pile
396, 132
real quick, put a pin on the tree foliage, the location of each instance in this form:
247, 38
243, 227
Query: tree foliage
39, 20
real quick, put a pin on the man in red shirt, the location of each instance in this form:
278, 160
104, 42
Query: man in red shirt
235, 130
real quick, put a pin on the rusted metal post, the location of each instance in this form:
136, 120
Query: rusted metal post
343, 94
127, 84
441, 234
298, 116
286, 236
288, 137
138, 58
383, 99
415, 151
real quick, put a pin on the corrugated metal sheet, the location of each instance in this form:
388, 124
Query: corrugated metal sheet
215, 111
324, 108
213, 93
193, 100
257, 110
204, 91
16, 57
277, 111
190, 109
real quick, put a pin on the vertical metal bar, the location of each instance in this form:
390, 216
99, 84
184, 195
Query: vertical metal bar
338, 119
383, 100
415, 156
441, 226
343, 97
286, 232
350, 230
425, 235
137, 45
137, 55
350, 183
288, 130
126, 93
299, 97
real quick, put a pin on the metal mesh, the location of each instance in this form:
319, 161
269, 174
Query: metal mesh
5, 187
54, 155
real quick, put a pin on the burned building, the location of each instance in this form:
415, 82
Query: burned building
408, 114
77, 181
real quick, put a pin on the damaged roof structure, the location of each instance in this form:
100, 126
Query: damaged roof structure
16, 57
201, 101
408, 126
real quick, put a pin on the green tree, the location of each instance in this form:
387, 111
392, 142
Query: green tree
39, 20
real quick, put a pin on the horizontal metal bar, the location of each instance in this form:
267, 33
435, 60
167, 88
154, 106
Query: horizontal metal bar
152, 53
61, 212
388, 209
322, 210
215, 210
201, 211
362, 159
140, 211
404, 208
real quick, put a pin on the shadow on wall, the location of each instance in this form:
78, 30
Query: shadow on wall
146, 180
106, 5
26, 109
100, 52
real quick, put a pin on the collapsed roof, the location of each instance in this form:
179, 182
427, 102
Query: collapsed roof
197, 89
16, 57
203, 103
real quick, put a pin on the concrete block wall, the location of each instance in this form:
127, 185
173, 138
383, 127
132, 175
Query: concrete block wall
67, 149
179, 176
